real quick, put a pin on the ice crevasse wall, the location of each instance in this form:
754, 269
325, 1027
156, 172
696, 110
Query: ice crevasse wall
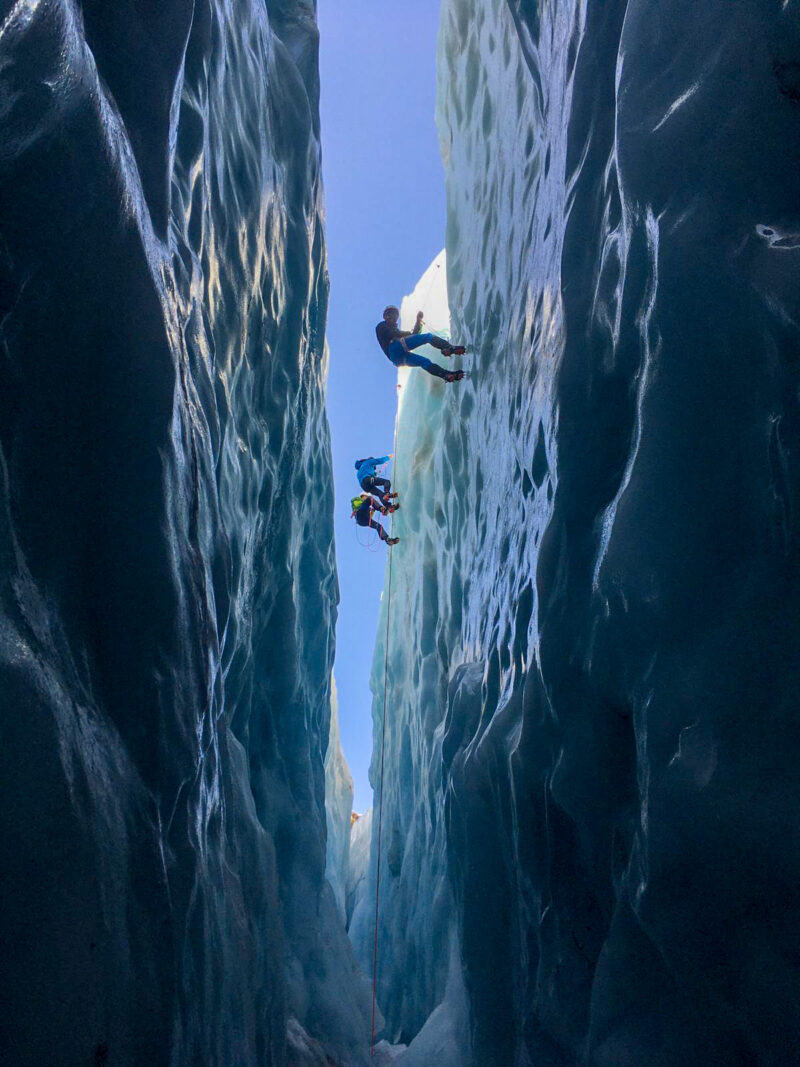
591, 780
167, 584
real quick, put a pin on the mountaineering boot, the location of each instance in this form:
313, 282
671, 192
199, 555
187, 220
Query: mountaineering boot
454, 376
454, 350
392, 507
392, 540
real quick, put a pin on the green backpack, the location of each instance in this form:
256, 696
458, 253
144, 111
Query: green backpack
357, 501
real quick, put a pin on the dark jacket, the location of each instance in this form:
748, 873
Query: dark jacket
386, 334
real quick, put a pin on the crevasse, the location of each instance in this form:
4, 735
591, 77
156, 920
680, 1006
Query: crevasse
590, 789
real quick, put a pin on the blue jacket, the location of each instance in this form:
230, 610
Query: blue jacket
367, 467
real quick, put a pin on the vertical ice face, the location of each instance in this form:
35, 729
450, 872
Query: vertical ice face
416, 913
358, 862
339, 808
167, 585
590, 784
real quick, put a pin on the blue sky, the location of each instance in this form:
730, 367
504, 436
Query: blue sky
385, 221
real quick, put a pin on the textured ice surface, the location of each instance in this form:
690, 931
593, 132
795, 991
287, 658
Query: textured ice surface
338, 809
167, 586
591, 760
416, 927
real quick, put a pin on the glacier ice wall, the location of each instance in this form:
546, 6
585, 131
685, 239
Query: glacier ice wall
417, 935
167, 584
338, 810
358, 858
591, 740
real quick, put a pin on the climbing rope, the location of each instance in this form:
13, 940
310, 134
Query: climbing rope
383, 751
372, 536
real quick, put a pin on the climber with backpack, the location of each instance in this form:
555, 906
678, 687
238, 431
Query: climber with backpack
364, 506
398, 345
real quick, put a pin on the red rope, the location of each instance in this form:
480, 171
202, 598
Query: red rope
383, 751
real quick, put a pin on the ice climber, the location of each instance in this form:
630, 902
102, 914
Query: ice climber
398, 345
367, 474
364, 507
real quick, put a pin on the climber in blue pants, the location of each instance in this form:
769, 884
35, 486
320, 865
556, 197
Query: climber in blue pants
398, 345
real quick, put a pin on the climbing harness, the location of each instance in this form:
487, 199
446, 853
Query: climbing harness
383, 751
